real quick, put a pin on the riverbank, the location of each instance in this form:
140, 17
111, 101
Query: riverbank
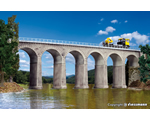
138, 85
11, 87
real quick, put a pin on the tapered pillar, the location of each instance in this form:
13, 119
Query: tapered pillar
35, 72
119, 77
101, 76
59, 78
81, 76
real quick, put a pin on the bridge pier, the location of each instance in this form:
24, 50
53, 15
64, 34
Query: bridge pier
59, 78
35, 72
81, 76
119, 77
101, 76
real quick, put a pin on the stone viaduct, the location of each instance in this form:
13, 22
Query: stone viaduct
80, 53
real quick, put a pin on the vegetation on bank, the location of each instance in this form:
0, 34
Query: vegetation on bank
144, 63
11, 87
9, 59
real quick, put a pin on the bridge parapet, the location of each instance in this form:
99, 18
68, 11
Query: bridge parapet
52, 41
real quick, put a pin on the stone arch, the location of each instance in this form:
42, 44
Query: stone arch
133, 60
78, 55
116, 58
29, 51
118, 70
98, 57
81, 79
100, 70
59, 75
56, 55
35, 68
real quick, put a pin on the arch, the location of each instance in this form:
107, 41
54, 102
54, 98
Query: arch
29, 51
98, 57
118, 71
56, 55
116, 58
81, 80
59, 76
35, 68
133, 60
100, 68
79, 58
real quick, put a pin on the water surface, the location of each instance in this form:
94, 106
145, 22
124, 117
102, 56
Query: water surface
70, 98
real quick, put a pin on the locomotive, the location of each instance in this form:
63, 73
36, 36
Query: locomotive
122, 43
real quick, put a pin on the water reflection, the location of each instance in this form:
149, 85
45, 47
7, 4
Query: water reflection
118, 97
35, 99
59, 98
49, 98
81, 96
101, 98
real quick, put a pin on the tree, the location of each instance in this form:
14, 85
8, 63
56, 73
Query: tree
144, 63
15, 28
8, 56
20, 77
145, 49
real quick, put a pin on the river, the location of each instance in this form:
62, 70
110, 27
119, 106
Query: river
48, 98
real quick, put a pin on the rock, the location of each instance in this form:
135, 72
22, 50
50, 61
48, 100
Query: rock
135, 83
142, 85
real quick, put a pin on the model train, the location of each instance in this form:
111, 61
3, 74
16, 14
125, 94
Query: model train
122, 43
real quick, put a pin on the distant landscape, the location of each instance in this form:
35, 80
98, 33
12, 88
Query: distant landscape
23, 77
91, 76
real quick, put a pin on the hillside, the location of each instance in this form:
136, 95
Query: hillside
23, 77
91, 76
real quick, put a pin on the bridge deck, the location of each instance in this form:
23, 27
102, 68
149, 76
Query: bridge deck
72, 43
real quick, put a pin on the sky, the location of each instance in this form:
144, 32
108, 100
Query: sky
80, 26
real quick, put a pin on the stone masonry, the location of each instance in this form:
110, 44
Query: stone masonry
80, 53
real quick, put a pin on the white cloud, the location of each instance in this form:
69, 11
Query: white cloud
24, 65
70, 59
44, 73
48, 56
21, 54
25, 69
50, 67
108, 29
101, 43
102, 32
49, 61
91, 64
114, 21
126, 21
132, 44
102, 19
140, 39
24, 62
67, 74
115, 39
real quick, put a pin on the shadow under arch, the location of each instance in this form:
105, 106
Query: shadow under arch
132, 62
59, 75
35, 68
118, 71
100, 71
81, 79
